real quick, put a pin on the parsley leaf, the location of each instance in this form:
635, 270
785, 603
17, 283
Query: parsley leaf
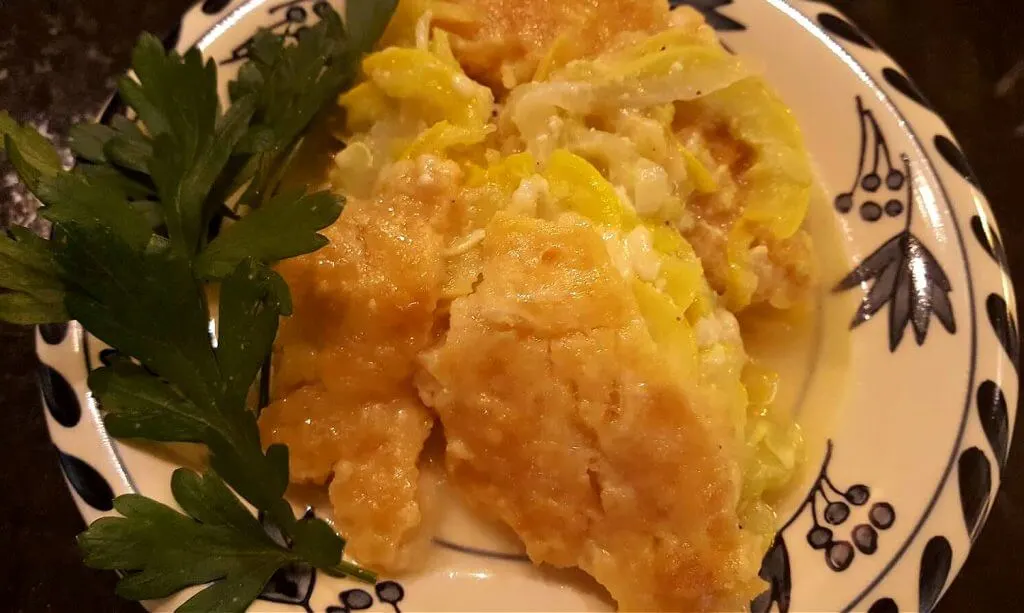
143, 300
176, 99
218, 541
285, 227
146, 302
290, 84
87, 140
92, 202
251, 299
131, 258
366, 21
28, 309
139, 405
30, 273
31, 154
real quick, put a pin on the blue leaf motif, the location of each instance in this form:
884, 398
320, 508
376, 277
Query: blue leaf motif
974, 473
995, 419
955, 158
936, 560
774, 570
843, 29
989, 241
87, 482
292, 584
53, 334
709, 8
910, 280
905, 86
211, 7
1004, 327
60, 398
884, 605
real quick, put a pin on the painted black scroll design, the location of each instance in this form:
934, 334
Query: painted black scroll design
289, 20
844, 521
903, 273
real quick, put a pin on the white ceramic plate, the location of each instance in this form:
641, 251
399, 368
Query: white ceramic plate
907, 387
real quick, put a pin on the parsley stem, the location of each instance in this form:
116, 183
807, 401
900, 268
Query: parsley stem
348, 569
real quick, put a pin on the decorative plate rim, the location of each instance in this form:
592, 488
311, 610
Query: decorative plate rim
865, 77
854, 49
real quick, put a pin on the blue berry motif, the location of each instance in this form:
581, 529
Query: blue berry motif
832, 506
832, 510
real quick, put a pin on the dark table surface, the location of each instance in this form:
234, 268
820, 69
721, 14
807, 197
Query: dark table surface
58, 59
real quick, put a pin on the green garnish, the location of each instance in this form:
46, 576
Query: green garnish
218, 541
131, 258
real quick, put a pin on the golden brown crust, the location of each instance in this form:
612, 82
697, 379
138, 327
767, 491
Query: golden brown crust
508, 39
614, 471
364, 308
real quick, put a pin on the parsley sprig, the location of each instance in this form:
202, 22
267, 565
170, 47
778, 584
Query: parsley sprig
132, 258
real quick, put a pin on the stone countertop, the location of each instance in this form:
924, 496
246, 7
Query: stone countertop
58, 62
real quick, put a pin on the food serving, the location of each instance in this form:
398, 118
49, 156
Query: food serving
539, 235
